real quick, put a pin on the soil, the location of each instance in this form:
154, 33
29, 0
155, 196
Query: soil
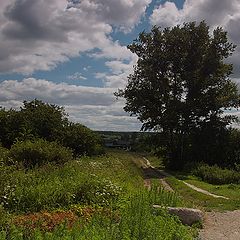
150, 172
221, 226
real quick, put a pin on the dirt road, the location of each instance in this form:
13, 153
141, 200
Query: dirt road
221, 226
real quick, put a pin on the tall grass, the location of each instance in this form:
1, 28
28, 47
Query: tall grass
104, 196
137, 220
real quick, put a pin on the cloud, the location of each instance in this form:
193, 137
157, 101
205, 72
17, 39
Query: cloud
124, 14
222, 13
215, 12
40, 34
95, 107
119, 72
76, 76
64, 93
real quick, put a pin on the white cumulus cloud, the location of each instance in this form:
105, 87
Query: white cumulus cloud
40, 34
95, 107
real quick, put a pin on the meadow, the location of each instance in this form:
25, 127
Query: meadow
101, 197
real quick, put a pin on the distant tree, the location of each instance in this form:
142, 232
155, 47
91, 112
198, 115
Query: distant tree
181, 86
81, 140
43, 120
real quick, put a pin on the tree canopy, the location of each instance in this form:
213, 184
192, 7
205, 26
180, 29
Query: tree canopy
180, 84
39, 120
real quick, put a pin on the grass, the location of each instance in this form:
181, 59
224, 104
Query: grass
54, 186
98, 197
202, 201
192, 198
137, 221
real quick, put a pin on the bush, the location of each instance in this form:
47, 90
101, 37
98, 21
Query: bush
4, 155
81, 140
216, 175
38, 152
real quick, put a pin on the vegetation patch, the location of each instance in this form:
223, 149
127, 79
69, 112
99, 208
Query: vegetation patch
39, 152
81, 200
195, 199
216, 175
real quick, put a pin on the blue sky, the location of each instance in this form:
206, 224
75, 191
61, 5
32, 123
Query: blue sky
73, 53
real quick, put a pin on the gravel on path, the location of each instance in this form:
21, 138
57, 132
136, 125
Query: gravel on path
221, 226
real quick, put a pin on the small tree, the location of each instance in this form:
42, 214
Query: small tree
43, 120
82, 140
181, 86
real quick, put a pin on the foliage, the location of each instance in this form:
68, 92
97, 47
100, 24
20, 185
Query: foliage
37, 119
181, 86
216, 175
233, 149
4, 218
45, 221
10, 126
84, 181
96, 191
4, 155
39, 152
43, 120
81, 139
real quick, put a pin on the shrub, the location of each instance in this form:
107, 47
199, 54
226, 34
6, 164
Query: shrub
4, 155
45, 221
38, 152
81, 140
216, 175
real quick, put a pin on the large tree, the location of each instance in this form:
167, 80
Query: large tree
180, 84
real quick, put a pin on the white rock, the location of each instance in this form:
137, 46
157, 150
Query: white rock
187, 216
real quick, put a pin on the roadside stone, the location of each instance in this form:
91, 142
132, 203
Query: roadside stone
187, 216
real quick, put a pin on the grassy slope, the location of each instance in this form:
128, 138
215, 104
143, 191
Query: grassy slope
193, 198
196, 199
52, 188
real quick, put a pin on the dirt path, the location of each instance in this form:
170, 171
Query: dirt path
203, 191
149, 172
221, 226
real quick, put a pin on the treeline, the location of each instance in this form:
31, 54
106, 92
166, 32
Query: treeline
38, 125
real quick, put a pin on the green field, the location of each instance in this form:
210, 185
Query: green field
87, 198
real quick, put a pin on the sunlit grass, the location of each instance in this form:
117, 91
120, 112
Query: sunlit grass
102, 197
199, 200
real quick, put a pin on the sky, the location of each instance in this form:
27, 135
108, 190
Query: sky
73, 53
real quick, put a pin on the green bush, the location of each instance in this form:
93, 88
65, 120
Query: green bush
216, 175
81, 140
4, 155
38, 152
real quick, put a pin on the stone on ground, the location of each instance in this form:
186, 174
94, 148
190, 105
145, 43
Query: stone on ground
187, 216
